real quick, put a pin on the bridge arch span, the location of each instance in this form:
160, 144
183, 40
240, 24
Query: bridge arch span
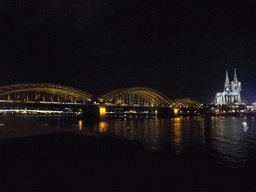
67, 92
187, 102
136, 95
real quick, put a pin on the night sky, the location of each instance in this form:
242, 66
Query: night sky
180, 48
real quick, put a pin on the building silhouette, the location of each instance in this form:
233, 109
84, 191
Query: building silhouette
231, 94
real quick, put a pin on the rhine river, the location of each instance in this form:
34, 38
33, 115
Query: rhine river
230, 140
58, 152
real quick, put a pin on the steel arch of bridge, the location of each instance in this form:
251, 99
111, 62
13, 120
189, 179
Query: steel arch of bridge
187, 102
64, 91
149, 95
153, 97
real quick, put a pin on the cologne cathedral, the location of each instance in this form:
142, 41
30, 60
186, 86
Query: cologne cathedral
229, 96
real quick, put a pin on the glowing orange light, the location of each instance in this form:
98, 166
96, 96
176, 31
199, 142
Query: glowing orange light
80, 124
177, 133
102, 111
102, 127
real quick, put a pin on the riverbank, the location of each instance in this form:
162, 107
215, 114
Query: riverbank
69, 161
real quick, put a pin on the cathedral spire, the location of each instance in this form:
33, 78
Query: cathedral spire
229, 97
235, 77
227, 84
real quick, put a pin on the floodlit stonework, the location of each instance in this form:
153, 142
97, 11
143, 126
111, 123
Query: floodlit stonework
230, 95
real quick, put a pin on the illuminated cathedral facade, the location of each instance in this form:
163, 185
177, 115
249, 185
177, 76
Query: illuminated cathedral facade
231, 93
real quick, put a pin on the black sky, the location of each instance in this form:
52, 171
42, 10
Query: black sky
180, 48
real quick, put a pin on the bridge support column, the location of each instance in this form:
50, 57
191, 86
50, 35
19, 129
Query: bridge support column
102, 114
176, 112
163, 112
93, 113
90, 113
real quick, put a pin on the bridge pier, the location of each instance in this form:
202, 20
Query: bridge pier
164, 112
93, 113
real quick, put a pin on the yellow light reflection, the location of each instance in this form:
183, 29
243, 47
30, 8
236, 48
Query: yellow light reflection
177, 133
102, 127
80, 124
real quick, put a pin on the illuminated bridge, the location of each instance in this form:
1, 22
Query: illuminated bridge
141, 96
187, 102
133, 97
43, 92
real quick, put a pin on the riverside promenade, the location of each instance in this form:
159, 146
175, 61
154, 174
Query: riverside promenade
36, 157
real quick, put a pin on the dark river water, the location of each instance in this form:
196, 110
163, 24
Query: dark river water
232, 138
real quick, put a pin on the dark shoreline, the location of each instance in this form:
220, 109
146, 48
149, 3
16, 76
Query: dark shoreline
69, 161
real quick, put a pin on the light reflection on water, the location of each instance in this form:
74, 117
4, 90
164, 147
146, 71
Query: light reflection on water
226, 135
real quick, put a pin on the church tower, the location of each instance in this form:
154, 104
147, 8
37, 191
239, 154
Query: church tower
235, 85
227, 84
236, 88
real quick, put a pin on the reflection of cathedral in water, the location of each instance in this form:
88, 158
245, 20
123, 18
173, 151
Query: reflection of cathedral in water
229, 96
